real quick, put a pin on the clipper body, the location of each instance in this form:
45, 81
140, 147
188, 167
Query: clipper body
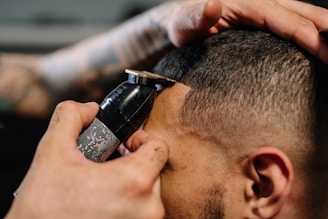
121, 113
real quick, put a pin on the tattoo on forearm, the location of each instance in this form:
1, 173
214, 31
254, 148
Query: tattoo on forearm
85, 70
137, 43
9, 96
22, 92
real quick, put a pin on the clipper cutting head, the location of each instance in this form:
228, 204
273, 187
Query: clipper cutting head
148, 78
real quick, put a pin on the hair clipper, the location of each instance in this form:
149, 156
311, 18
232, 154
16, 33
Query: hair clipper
121, 113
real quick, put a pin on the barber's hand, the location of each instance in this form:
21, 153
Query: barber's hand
22, 88
290, 19
62, 183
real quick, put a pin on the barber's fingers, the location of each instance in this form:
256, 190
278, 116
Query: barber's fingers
307, 34
193, 19
149, 156
287, 18
67, 122
318, 15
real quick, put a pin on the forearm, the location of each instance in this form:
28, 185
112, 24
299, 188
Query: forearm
22, 91
137, 43
83, 71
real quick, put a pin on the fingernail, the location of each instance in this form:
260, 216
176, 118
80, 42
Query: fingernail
93, 104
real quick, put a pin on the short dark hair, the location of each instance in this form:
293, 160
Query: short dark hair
251, 83
248, 83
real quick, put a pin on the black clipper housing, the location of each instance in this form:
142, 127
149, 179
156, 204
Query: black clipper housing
121, 113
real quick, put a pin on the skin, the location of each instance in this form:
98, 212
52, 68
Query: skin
136, 180
190, 198
228, 179
226, 187
83, 73
127, 187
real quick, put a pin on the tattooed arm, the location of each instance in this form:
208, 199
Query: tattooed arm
33, 85
22, 91
88, 68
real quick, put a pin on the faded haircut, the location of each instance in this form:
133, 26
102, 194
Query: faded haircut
248, 85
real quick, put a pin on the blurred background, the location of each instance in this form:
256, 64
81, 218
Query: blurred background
41, 26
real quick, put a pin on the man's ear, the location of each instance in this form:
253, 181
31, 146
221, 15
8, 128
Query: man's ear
271, 176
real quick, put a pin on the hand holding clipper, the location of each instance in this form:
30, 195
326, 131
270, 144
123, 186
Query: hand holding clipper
121, 113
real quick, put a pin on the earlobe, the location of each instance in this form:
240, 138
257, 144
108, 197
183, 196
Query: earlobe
271, 175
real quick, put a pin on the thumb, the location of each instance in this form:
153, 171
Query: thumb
193, 20
67, 122
150, 154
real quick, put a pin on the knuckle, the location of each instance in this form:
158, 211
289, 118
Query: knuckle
142, 183
161, 149
65, 105
61, 109
137, 139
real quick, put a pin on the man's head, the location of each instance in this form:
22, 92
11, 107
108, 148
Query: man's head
246, 128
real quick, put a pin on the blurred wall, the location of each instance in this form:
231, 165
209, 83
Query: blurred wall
43, 25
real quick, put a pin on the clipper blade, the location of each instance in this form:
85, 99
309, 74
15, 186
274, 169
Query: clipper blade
146, 78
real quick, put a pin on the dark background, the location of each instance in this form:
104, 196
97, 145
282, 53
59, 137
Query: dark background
41, 26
